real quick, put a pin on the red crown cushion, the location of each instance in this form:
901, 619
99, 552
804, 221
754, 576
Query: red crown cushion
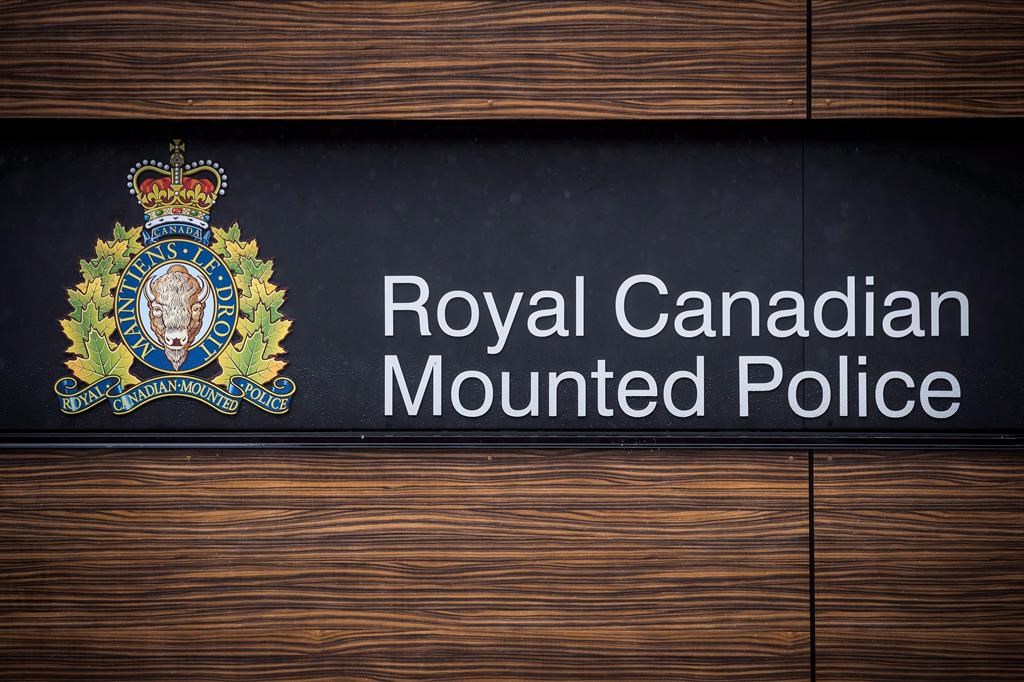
187, 182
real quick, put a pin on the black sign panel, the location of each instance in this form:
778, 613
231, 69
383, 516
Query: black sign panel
388, 282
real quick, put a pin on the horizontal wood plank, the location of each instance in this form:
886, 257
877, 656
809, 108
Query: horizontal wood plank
908, 58
919, 566
369, 59
395, 565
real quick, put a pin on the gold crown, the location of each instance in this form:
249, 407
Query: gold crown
175, 191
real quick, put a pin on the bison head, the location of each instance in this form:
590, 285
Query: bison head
177, 301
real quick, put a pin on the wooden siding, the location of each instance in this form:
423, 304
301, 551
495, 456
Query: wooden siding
398, 565
919, 564
913, 58
505, 59
451, 59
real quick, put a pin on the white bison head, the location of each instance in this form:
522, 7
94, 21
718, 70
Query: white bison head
177, 301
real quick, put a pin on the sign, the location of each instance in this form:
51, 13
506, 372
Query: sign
174, 296
514, 283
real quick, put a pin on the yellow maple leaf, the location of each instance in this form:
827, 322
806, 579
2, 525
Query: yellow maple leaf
273, 330
77, 327
265, 294
117, 251
103, 359
222, 237
237, 251
88, 292
248, 359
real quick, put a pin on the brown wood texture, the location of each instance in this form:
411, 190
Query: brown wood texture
450, 59
505, 59
908, 58
919, 566
278, 565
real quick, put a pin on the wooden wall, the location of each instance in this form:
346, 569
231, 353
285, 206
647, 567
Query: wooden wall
919, 565
500, 564
318, 565
912, 58
175, 58
509, 59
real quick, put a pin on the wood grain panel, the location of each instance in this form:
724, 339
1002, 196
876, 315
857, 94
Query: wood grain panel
370, 59
902, 58
306, 565
919, 564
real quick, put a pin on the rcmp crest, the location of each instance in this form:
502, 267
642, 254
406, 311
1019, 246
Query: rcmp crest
175, 307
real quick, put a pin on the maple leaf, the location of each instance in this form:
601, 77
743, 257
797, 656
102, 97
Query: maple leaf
115, 250
124, 245
78, 327
101, 269
129, 237
248, 359
90, 324
273, 330
102, 360
221, 238
254, 269
262, 293
87, 292
237, 251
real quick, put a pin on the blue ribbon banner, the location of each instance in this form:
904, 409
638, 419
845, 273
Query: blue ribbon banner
75, 399
151, 234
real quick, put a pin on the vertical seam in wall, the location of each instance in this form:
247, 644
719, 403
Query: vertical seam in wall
811, 597
807, 58
810, 564
809, 99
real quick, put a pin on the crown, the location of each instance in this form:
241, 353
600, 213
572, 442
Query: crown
176, 197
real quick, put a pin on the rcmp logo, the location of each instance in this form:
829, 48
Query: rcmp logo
174, 297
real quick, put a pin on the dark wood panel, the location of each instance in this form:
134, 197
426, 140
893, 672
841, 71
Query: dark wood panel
170, 59
393, 565
902, 58
919, 564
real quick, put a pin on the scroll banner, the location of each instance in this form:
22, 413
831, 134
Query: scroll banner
75, 399
152, 234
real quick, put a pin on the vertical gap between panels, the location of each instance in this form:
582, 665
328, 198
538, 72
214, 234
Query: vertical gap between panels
812, 597
807, 58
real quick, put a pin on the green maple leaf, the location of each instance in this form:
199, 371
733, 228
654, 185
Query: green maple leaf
101, 269
102, 360
262, 293
130, 237
115, 250
87, 292
248, 359
256, 270
121, 248
78, 327
273, 330
236, 252
221, 238
90, 324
